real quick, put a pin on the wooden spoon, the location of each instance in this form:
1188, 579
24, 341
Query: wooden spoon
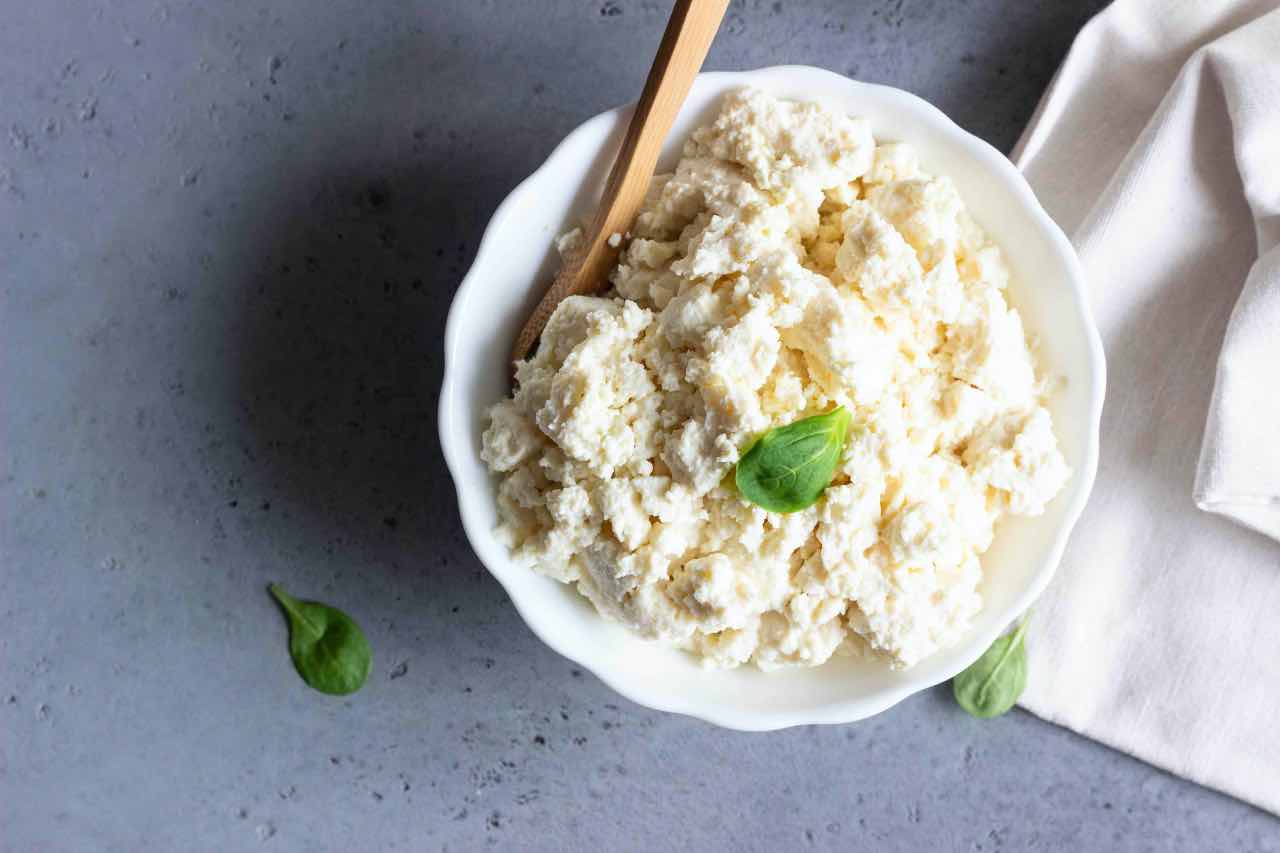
684, 45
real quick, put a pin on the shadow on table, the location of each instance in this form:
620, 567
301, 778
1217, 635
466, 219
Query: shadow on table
366, 213
339, 344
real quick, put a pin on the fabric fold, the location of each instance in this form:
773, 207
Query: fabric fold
1239, 471
1151, 150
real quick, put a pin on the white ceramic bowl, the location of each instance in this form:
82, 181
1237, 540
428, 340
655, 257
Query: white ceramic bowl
515, 262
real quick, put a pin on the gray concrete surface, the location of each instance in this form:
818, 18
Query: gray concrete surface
229, 233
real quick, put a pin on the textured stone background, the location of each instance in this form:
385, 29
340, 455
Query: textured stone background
229, 233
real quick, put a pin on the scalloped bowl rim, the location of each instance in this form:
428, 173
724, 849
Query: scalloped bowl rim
846, 709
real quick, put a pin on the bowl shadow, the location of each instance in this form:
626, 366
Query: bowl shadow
339, 359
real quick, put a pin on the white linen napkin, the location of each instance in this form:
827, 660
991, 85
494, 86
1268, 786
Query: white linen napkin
1157, 148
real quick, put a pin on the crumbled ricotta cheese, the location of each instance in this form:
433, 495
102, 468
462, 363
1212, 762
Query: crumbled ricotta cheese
789, 264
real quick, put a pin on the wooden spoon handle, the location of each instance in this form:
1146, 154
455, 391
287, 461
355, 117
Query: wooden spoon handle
684, 45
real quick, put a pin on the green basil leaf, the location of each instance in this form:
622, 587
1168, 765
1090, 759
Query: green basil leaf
990, 686
328, 649
787, 468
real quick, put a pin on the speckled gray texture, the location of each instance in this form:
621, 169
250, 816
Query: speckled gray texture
229, 233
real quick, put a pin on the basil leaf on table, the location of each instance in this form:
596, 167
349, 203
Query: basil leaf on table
992, 683
787, 468
328, 648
